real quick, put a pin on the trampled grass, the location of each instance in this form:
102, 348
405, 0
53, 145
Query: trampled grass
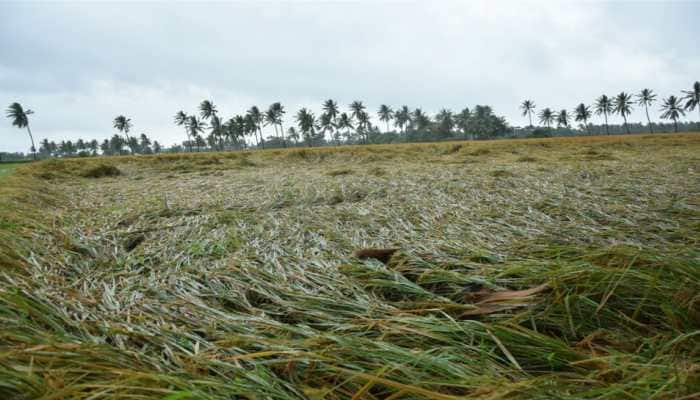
543, 269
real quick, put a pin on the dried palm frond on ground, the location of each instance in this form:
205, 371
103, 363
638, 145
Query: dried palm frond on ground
573, 275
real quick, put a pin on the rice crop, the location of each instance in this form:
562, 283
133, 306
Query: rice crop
535, 269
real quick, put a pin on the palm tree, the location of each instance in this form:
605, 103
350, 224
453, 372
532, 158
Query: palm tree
672, 109
270, 118
279, 112
583, 114
603, 105
20, 119
196, 127
623, 106
386, 114
307, 122
330, 107
292, 134
356, 109
563, 119
402, 118
207, 109
445, 122
528, 107
345, 122
257, 118
364, 124
123, 124
692, 98
181, 120
420, 119
330, 116
645, 98
546, 117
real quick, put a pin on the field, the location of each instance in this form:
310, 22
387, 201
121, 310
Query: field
533, 269
6, 168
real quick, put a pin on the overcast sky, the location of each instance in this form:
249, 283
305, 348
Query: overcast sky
78, 65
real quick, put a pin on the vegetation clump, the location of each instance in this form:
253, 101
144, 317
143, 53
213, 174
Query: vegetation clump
100, 171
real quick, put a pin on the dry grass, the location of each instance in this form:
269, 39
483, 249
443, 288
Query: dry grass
216, 276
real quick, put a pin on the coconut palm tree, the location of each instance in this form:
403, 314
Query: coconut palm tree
386, 114
402, 118
582, 113
257, 118
329, 118
270, 118
672, 109
196, 126
563, 119
420, 119
623, 106
546, 117
207, 109
356, 108
20, 119
181, 120
293, 134
364, 124
279, 115
345, 122
307, 123
645, 98
123, 124
603, 105
692, 98
528, 108
445, 122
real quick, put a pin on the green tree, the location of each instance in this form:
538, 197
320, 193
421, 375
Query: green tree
307, 123
645, 98
207, 109
20, 119
445, 123
582, 113
345, 122
257, 118
386, 114
623, 106
563, 119
528, 108
181, 120
293, 134
463, 121
402, 118
603, 105
279, 117
692, 98
672, 109
546, 117
123, 125
196, 126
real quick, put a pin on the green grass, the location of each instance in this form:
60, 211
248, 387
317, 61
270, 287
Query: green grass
232, 275
7, 168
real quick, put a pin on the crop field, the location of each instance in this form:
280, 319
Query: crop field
6, 168
533, 269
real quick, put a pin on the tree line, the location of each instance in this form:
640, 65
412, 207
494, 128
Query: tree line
672, 108
206, 129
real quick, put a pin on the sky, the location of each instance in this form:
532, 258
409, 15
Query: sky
80, 64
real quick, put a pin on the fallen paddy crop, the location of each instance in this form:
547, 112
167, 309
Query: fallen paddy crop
562, 269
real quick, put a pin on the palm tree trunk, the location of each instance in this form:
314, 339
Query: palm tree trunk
529, 115
31, 138
607, 131
262, 141
675, 124
627, 128
284, 141
651, 127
